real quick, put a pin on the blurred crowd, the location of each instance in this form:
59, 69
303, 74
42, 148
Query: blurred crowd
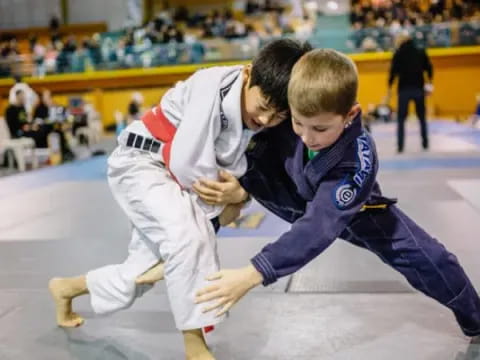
388, 13
174, 35
434, 23
180, 35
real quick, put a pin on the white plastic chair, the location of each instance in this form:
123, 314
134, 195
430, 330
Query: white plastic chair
19, 148
93, 131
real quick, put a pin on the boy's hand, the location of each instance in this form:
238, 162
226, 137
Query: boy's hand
226, 191
230, 213
228, 288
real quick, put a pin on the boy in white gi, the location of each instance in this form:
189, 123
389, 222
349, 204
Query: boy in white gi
202, 126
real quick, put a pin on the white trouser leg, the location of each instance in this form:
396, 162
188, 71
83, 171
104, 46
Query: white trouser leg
169, 225
113, 287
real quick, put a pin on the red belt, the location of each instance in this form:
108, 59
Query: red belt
161, 129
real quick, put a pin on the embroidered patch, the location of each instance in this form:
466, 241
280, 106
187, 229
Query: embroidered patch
364, 152
345, 194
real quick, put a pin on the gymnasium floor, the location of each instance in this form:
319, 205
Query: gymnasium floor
344, 305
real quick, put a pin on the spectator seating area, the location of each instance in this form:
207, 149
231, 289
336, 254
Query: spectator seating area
180, 36
376, 24
174, 36
62, 134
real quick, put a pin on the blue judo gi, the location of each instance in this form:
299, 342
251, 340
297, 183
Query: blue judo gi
336, 195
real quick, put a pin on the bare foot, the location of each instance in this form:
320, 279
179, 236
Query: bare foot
205, 356
152, 275
195, 346
60, 290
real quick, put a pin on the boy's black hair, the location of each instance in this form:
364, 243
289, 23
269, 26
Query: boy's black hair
272, 67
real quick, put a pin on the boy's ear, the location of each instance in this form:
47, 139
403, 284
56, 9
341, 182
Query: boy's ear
354, 111
247, 71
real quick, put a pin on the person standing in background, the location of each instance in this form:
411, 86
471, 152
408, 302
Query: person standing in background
409, 64
135, 107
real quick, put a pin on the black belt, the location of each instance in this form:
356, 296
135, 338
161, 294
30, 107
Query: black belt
143, 143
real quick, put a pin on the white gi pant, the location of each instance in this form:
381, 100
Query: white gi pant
167, 225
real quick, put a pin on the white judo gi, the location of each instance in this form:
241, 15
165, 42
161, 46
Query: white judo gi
199, 124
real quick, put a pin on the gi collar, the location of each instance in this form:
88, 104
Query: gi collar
230, 92
320, 165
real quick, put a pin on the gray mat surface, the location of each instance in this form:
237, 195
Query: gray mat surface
344, 268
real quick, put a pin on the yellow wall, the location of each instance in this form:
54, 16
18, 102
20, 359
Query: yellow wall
455, 79
119, 100
109, 101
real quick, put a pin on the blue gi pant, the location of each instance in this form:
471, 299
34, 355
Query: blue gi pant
427, 265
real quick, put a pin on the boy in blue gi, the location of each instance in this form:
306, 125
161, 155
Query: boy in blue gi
324, 182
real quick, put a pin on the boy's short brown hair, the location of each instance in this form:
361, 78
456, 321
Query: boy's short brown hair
323, 80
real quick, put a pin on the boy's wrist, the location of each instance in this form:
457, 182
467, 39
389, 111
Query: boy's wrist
254, 276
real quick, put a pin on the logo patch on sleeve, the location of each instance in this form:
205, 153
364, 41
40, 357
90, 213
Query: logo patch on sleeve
365, 168
344, 195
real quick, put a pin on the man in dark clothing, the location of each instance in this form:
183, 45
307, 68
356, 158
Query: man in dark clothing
18, 124
409, 64
51, 124
16, 115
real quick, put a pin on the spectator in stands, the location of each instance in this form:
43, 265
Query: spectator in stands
369, 44
48, 123
30, 96
436, 7
62, 62
38, 53
13, 47
457, 10
172, 34
70, 45
357, 15
5, 70
108, 52
51, 58
42, 109
409, 64
95, 51
19, 124
16, 114
252, 7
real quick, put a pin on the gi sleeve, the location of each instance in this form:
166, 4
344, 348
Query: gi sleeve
266, 178
337, 200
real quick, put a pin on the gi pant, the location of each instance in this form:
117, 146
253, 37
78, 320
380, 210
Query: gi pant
167, 225
427, 265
